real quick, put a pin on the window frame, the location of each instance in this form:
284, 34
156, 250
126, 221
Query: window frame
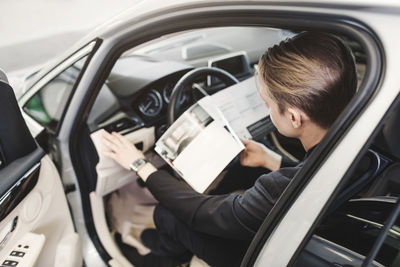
48, 78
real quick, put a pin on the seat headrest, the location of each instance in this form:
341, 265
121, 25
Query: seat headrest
15, 139
3, 76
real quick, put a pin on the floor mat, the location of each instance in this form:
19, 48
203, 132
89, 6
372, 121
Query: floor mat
130, 211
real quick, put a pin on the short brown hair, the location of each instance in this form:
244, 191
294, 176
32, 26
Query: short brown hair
314, 72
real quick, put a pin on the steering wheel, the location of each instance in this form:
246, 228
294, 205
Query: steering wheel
187, 79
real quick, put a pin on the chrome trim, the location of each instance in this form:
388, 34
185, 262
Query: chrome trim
378, 225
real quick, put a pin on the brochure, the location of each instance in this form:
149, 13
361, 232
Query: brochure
202, 141
244, 109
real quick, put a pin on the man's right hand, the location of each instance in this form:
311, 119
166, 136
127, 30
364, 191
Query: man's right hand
258, 155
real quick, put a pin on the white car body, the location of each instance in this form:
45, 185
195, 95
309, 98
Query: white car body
379, 17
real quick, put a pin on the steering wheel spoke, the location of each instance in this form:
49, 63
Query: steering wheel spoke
201, 89
190, 78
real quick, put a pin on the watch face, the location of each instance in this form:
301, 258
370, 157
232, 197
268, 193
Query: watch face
137, 164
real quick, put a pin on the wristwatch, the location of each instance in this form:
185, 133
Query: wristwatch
138, 164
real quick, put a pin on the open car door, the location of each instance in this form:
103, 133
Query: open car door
36, 227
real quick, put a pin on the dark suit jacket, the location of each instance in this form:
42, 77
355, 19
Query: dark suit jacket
233, 216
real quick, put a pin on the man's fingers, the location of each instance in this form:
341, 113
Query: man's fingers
109, 154
110, 138
110, 145
119, 139
242, 157
123, 139
245, 141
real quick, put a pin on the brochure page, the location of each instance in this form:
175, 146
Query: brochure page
244, 109
200, 144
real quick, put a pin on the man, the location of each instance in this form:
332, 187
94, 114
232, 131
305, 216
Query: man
305, 82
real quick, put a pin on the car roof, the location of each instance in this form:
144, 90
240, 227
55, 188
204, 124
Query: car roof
149, 8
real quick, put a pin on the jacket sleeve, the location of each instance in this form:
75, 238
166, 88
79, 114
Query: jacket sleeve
287, 162
231, 216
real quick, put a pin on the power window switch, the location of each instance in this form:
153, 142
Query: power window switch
10, 263
17, 253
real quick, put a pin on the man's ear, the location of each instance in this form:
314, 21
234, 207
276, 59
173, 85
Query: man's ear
297, 117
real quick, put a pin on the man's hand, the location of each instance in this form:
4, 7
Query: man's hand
122, 151
258, 155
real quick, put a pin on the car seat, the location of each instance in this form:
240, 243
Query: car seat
15, 139
388, 183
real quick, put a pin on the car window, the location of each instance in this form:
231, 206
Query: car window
48, 104
361, 227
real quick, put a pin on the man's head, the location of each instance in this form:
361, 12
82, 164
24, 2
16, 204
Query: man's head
309, 77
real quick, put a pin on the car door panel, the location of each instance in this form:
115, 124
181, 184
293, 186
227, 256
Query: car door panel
17, 179
36, 227
41, 216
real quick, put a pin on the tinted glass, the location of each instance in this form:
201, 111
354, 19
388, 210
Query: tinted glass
48, 104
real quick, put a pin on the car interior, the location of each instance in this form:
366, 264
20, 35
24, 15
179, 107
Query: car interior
137, 100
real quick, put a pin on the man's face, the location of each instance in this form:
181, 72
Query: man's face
281, 120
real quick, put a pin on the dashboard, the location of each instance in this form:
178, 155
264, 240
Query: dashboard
138, 91
156, 98
136, 94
